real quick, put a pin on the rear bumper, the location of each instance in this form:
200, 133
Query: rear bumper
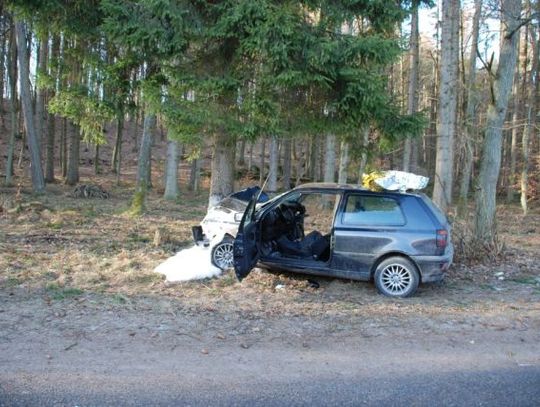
434, 268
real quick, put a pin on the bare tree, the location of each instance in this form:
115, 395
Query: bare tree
171, 171
38, 181
12, 76
222, 181
412, 99
286, 182
143, 165
501, 87
273, 165
532, 107
344, 159
330, 158
471, 104
446, 122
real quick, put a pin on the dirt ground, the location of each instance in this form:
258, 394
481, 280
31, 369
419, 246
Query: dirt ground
76, 271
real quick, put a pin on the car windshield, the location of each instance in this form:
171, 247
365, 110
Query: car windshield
271, 201
234, 204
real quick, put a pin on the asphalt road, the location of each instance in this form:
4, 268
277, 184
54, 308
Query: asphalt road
495, 370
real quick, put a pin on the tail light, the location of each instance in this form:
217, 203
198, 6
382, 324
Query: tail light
442, 238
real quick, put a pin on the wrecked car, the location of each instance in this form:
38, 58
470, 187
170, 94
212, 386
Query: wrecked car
220, 225
396, 239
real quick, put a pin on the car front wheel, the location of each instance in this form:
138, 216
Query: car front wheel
222, 254
397, 277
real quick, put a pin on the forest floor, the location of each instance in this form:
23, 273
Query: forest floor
75, 272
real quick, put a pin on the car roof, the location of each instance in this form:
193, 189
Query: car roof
333, 186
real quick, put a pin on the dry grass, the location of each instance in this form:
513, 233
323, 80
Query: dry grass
68, 246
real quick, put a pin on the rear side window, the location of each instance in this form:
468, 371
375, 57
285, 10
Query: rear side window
372, 210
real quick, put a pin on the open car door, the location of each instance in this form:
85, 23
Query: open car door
246, 253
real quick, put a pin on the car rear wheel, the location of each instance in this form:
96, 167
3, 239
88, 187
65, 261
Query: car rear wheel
397, 277
222, 254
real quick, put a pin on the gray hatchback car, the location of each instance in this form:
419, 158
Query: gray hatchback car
399, 240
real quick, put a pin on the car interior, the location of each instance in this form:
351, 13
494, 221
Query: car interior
300, 227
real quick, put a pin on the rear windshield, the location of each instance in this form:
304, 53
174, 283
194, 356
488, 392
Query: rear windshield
435, 209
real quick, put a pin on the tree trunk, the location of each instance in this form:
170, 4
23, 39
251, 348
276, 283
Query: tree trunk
97, 168
313, 159
262, 162
330, 158
49, 156
446, 123
250, 157
242, 153
470, 110
38, 181
412, 100
271, 186
138, 204
12, 75
41, 94
171, 171
63, 147
3, 56
485, 225
364, 154
222, 179
117, 151
135, 129
73, 155
194, 175
520, 95
344, 159
300, 158
529, 131
286, 183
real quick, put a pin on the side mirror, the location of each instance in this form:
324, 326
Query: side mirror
238, 217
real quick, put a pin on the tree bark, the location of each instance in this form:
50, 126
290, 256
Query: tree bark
12, 76
41, 94
529, 131
286, 183
194, 175
73, 155
412, 99
330, 158
262, 171
63, 147
300, 158
520, 95
271, 186
117, 151
38, 181
49, 156
485, 225
364, 154
171, 171
242, 153
446, 123
250, 157
344, 159
138, 204
222, 179
470, 109
3, 53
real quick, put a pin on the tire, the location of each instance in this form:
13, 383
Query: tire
222, 254
396, 277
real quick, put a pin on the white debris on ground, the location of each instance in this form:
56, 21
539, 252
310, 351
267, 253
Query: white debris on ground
189, 264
